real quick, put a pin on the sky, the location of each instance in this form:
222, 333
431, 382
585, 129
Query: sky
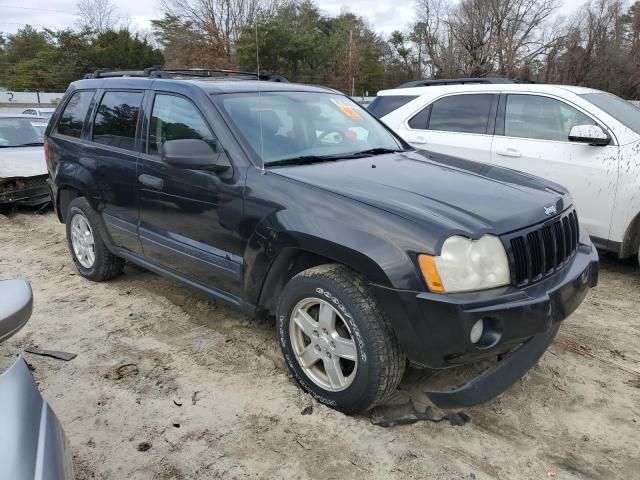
383, 15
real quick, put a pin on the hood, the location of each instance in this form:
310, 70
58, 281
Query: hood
463, 196
22, 162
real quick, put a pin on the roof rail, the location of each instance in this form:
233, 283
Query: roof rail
169, 72
455, 81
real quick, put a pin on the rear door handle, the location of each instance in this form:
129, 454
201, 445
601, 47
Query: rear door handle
151, 181
509, 152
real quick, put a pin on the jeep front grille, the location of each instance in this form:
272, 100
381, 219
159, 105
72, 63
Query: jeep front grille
537, 252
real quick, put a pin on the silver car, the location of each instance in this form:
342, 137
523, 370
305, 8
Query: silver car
23, 169
32, 443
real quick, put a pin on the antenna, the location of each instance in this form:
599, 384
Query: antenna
257, 52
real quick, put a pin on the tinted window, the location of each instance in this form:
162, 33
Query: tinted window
116, 120
541, 118
382, 106
74, 114
419, 120
461, 113
623, 111
175, 118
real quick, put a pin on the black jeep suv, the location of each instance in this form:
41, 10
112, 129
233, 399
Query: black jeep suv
293, 201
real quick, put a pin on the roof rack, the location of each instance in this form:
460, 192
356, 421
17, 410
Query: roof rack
168, 72
455, 81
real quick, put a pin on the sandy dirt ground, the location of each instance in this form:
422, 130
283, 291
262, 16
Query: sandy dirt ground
208, 389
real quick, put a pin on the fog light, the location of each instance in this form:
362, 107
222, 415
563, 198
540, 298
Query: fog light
476, 331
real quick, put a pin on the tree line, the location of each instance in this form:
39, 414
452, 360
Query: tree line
527, 40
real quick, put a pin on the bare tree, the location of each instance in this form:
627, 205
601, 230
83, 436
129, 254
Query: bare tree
473, 27
519, 31
97, 15
221, 21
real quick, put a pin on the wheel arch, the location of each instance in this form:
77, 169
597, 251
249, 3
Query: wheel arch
292, 260
631, 241
73, 181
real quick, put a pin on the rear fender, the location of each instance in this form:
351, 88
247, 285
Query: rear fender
32, 443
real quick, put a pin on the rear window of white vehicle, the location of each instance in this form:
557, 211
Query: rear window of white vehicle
384, 105
623, 111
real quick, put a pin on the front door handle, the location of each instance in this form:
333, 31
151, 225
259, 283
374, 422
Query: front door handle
151, 181
509, 152
419, 139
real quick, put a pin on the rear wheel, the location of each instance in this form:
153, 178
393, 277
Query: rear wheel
336, 341
85, 235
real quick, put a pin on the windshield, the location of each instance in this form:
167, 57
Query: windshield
623, 111
21, 132
281, 126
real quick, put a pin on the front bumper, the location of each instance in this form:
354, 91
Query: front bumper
29, 191
434, 329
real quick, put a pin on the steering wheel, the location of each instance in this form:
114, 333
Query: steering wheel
321, 138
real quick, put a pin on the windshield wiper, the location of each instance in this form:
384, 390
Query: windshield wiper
303, 160
373, 151
30, 144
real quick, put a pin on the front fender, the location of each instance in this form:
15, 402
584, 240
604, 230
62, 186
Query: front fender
370, 252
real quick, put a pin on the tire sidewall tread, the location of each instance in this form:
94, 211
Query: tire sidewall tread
380, 360
106, 264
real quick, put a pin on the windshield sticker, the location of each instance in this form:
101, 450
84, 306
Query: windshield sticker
348, 110
38, 124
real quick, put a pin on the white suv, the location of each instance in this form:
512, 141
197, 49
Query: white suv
582, 138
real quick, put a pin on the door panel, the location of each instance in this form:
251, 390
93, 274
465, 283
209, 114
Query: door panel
111, 153
590, 173
189, 218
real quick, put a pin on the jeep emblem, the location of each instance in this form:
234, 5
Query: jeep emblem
550, 210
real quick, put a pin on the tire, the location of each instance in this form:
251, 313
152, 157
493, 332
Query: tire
379, 363
105, 265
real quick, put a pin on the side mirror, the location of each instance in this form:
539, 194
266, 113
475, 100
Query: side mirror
16, 303
591, 134
192, 154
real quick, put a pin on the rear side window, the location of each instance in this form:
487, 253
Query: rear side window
461, 113
74, 114
420, 120
175, 118
382, 106
116, 119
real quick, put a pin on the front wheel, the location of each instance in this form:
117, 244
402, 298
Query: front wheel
336, 341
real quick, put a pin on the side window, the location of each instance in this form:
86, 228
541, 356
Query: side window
175, 118
116, 119
461, 113
541, 118
419, 120
74, 114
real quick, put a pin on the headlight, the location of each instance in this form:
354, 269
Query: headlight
584, 235
465, 265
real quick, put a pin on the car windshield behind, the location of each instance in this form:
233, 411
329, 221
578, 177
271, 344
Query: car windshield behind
21, 132
623, 111
285, 126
